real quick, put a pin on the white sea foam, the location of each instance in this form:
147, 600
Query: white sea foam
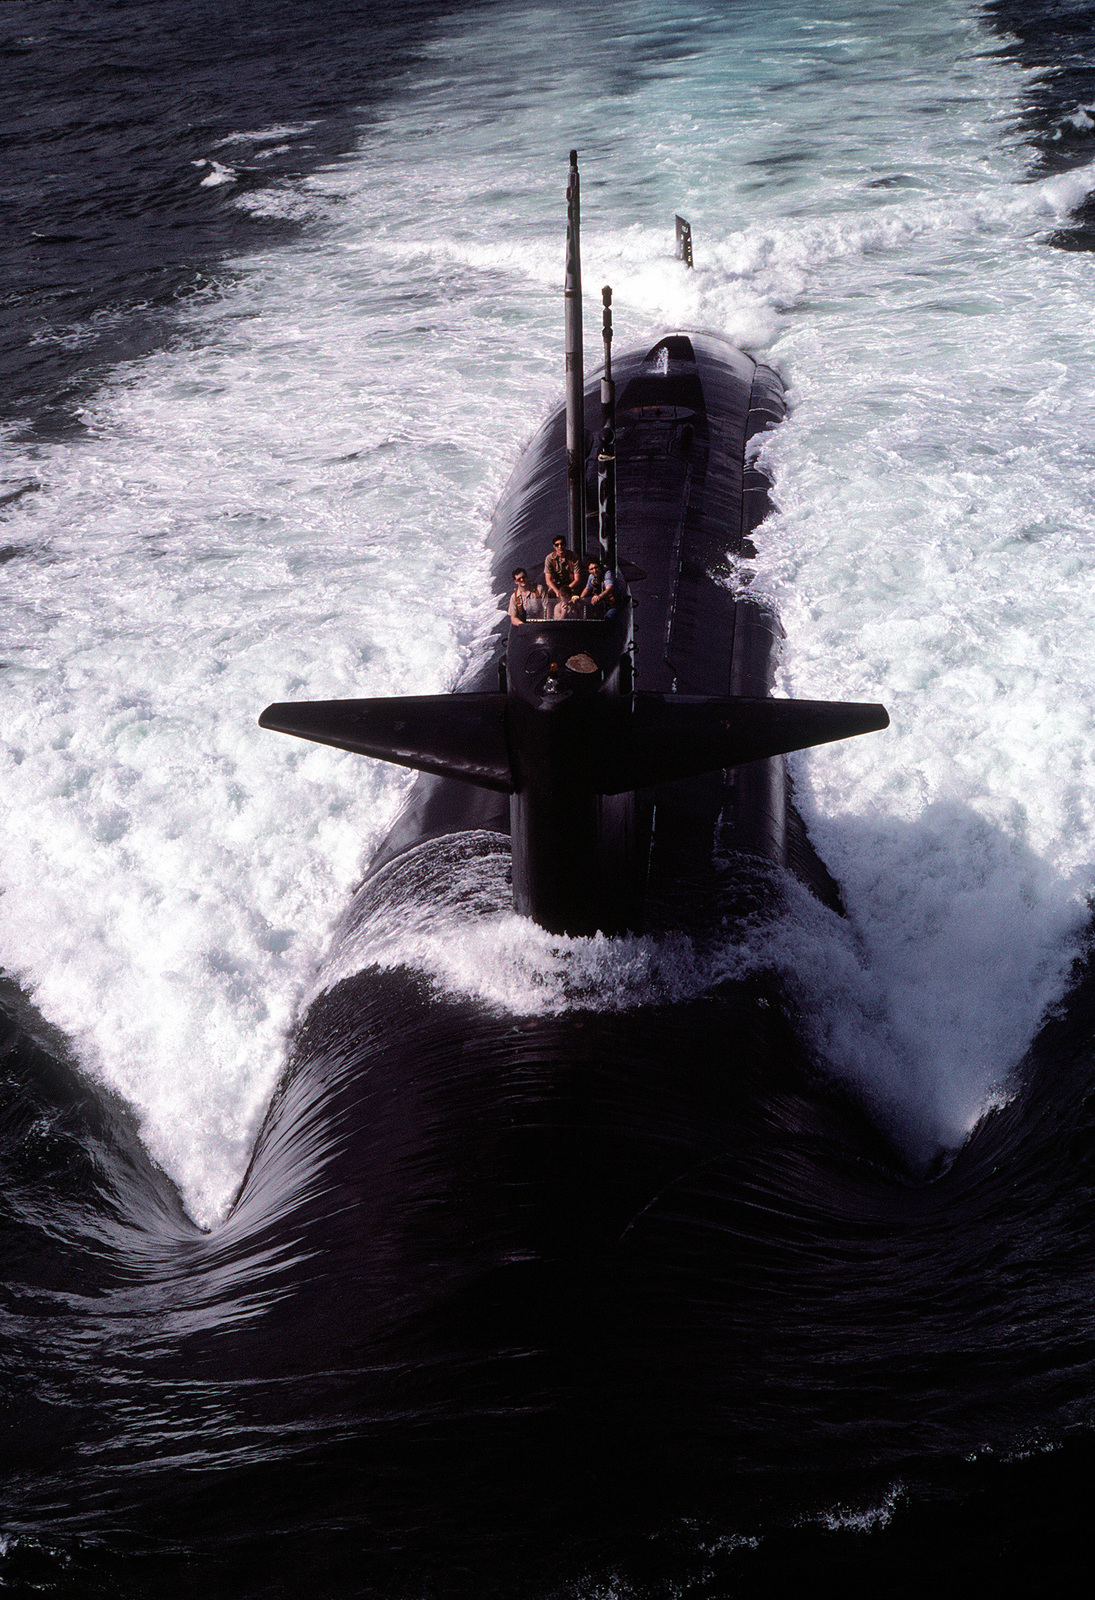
856, 1519
274, 135
291, 504
1066, 190
218, 174
287, 201
449, 913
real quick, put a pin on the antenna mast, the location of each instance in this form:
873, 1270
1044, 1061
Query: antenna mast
606, 459
575, 370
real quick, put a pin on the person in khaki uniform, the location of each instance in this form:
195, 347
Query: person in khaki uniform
526, 600
561, 569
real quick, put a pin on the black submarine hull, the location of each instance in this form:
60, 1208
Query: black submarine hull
512, 1148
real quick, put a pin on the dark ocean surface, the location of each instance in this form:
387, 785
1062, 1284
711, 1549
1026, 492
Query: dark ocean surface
106, 109
808, 1362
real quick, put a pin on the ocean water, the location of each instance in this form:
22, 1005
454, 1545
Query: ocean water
299, 316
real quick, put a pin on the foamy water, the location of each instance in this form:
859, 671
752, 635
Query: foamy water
260, 511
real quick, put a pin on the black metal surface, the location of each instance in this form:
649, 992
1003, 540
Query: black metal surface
459, 736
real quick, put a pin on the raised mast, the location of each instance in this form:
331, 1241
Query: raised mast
606, 459
575, 368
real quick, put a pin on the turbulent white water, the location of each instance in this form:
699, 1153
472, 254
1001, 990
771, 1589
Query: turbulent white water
273, 509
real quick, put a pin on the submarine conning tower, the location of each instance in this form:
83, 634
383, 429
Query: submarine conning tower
644, 730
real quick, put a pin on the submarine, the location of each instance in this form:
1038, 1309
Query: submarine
523, 1238
612, 747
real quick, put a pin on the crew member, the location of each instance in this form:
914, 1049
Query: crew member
600, 591
568, 607
526, 600
561, 568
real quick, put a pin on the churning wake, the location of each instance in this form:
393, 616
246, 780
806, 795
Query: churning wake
291, 502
